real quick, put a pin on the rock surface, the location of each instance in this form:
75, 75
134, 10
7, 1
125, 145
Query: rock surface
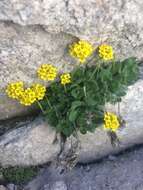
124, 173
38, 31
58, 185
2, 187
11, 186
33, 144
29, 145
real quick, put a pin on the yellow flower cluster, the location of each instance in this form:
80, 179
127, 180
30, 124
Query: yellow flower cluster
47, 72
111, 121
26, 96
81, 50
106, 52
65, 78
15, 89
39, 91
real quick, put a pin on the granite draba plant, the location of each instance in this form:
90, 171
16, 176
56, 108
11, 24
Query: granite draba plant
75, 102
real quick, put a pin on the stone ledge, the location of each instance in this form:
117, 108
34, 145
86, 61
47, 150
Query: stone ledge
29, 145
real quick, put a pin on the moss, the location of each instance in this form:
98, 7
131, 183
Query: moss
19, 175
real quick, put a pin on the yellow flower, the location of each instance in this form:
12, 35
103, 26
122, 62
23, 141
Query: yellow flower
15, 89
111, 121
65, 78
47, 72
39, 91
106, 52
81, 50
28, 97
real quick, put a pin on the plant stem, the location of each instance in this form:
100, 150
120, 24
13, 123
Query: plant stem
113, 63
93, 73
51, 106
65, 88
98, 65
56, 112
40, 106
48, 102
84, 90
85, 65
95, 70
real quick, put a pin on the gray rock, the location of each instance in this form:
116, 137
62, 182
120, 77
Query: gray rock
11, 108
29, 145
112, 158
124, 173
58, 185
90, 19
87, 168
2, 187
11, 187
39, 32
46, 187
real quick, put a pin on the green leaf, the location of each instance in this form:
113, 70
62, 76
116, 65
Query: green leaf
91, 100
78, 74
59, 127
105, 74
76, 104
68, 129
92, 85
73, 115
51, 117
77, 93
116, 68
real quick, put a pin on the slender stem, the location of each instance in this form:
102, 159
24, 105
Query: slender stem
56, 112
65, 88
95, 70
84, 90
85, 68
40, 106
106, 90
51, 106
92, 60
93, 73
48, 102
113, 62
